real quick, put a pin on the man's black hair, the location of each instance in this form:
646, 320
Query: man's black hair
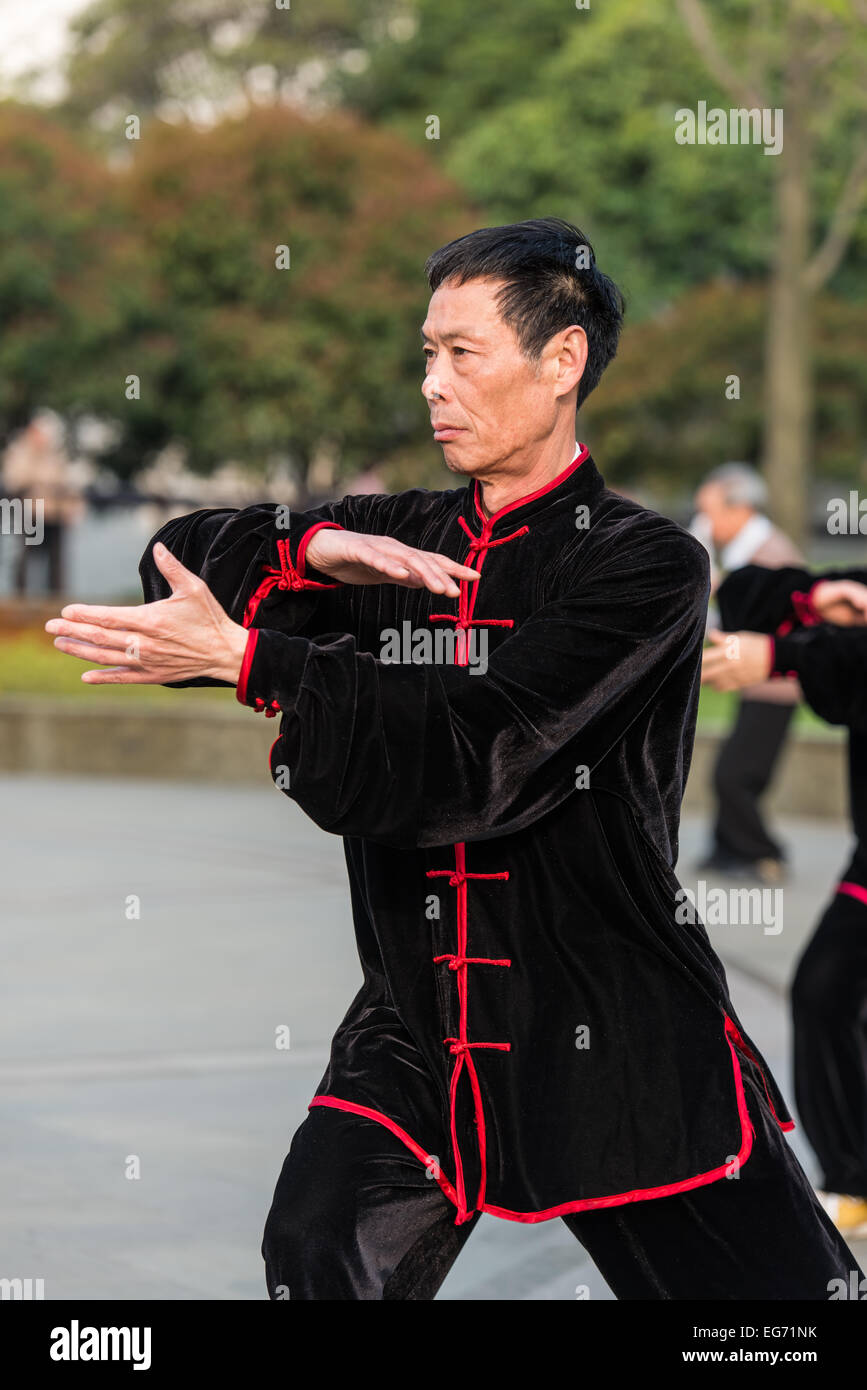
551, 281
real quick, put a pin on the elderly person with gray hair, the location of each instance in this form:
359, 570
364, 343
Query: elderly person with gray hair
731, 520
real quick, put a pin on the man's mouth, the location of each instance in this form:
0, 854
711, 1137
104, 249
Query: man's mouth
443, 431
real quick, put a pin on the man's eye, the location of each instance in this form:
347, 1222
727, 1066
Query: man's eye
457, 349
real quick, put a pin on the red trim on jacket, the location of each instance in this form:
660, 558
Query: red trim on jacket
853, 890
804, 613
300, 563
579, 458
462, 1047
429, 1160
287, 576
639, 1194
241, 687
745, 1048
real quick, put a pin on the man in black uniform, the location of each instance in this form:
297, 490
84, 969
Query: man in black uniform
538, 1032
816, 627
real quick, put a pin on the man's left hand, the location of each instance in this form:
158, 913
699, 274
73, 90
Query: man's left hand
178, 638
735, 659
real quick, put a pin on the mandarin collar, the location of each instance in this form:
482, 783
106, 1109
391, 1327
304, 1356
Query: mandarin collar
578, 482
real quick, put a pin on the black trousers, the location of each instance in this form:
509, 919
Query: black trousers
744, 767
829, 1011
50, 555
354, 1216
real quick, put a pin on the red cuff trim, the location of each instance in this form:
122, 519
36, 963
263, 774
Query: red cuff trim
241, 688
307, 538
807, 614
287, 577
804, 612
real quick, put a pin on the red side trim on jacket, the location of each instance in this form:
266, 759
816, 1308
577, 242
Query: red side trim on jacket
429, 1160
735, 1034
853, 890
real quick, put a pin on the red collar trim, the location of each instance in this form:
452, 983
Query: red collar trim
583, 451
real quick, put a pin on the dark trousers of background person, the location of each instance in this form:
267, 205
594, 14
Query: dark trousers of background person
355, 1217
743, 771
829, 1013
49, 555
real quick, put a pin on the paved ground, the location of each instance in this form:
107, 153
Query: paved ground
154, 1036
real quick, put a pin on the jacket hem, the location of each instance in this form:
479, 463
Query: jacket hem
640, 1194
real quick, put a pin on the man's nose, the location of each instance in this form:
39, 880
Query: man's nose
431, 386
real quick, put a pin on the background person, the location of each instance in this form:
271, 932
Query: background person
730, 506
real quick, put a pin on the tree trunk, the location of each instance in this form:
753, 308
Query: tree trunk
788, 349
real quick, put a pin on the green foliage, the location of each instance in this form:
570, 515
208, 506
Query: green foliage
661, 415
549, 110
65, 267
166, 271
199, 56
248, 361
165, 267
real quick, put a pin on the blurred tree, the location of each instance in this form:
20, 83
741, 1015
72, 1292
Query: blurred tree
816, 72
663, 419
197, 58
542, 108
152, 296
68, 272
310, 353
548, 109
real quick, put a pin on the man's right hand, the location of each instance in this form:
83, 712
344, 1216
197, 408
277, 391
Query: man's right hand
841, 601
355, 558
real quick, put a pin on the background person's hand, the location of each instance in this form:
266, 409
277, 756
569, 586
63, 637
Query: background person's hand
186, 635
355, 558
735, 659
841, 601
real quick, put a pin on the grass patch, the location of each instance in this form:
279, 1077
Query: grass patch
30, 664
716, 712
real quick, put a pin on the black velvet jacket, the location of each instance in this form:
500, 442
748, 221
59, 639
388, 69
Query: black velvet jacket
829, 661
537, 1023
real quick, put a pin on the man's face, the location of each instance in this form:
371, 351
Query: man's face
497, 404
725, 518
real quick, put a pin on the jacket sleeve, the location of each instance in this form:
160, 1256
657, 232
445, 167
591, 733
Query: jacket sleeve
253, 560
425, 755
831, 665
756, 599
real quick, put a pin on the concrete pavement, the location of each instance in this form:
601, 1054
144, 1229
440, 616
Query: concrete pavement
156, 937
